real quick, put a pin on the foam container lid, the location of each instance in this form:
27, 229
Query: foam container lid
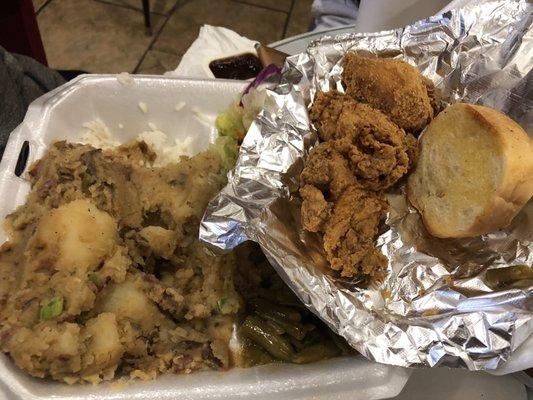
172, 105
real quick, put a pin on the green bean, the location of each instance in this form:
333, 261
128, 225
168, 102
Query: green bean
295, 329
274, 325
284, 313
504, 276
254, 355
261, 333
316, 352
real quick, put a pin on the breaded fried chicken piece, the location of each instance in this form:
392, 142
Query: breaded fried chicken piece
393, 86
326, 111
411, 147
327, 170
377, 149
350, 232
315, 209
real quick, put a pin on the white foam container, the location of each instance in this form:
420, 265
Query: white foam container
59, 115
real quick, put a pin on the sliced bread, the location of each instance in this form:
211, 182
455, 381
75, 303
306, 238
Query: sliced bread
474, 173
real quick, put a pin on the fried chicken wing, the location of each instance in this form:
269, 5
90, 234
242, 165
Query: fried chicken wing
350, 232
377, 149
327, 170
393, 86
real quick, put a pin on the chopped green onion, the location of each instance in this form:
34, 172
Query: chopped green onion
52, 309
221, 302
94, 278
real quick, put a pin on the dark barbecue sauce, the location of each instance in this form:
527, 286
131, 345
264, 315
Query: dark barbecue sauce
242, 67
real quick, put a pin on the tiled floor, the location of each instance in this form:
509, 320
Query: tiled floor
109, 35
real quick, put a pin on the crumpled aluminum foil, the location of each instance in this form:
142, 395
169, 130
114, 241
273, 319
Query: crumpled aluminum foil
439, 304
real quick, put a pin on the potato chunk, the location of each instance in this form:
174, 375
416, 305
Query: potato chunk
49, 349
162, 241
75, 235
104, 349
127, 300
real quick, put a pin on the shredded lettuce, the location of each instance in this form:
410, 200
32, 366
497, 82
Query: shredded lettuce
229, 123
228, 150
234, 122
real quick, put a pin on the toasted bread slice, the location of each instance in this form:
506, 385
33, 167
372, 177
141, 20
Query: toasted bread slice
474, 174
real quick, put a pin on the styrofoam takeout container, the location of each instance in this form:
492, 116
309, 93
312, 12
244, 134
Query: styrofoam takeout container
61, 114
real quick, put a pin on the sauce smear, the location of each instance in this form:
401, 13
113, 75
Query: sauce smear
242, 67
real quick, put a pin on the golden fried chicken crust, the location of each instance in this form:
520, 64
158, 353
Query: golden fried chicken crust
326, 111
350, 232
376, 148
315, 209
327, 170
393, 86
411, 147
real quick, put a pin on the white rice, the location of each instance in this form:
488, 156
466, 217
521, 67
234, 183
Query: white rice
143, 107
203, 118
124, 78
179, 106
98, 135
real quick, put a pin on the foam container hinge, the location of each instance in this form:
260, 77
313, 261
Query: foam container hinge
61, 114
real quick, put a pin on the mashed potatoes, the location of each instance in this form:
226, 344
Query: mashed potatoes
103, 272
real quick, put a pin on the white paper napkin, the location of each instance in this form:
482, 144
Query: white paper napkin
213, 42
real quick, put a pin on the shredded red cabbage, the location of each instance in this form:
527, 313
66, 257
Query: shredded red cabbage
266, 72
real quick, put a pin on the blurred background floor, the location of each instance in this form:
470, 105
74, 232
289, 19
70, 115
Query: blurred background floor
109, 36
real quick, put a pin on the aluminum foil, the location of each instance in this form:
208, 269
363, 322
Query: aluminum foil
440, 303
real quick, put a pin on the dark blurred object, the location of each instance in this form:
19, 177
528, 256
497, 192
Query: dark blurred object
247, 65
147, 19
242, 67
526, 377
22, 80
69, 74
19, 32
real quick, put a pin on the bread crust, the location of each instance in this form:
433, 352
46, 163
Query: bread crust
516, 186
